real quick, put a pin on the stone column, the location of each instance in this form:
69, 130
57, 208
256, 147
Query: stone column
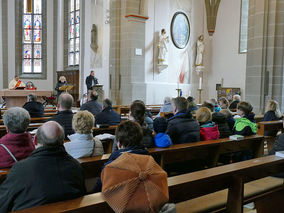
264, 75
60, 36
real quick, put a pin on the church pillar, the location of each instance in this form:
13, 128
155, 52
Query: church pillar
264, 75
60, 35
127, 51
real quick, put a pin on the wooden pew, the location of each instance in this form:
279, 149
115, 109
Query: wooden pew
269, 125
209, 150
3, 174
234, 177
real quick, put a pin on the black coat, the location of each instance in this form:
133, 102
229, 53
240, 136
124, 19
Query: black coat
270, 116
89, 81
278, 145
234, 105
64, 118
108, 116
58, 85
48, 175
92, 106
220, 120
35, 109
182, 128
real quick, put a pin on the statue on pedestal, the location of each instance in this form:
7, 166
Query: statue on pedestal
199, 54
94, 38
163, 49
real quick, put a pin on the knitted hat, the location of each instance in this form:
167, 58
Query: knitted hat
135, 183
160, 125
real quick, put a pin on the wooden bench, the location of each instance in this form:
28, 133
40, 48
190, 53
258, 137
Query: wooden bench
183, 189
269, 125
33, 120
208, 150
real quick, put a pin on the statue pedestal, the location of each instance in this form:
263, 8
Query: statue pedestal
99, 89
161, 67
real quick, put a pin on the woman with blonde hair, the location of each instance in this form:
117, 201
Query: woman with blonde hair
82, 143
61, 82
208, 129
272, 113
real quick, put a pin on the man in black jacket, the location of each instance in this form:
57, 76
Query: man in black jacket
108, 115
65, 115
48, 175
91, 81
92, 105
182, 128
35, 108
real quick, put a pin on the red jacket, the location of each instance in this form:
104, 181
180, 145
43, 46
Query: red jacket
209, 133
20, 145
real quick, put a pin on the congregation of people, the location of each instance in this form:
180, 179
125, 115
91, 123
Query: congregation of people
34, 158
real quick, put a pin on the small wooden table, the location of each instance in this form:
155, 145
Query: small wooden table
18, 98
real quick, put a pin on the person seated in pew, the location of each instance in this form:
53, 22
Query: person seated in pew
208, 129
92, 106
192, 107
146, 180
224, 103
35, 108
167, 106
236, 100
129, 137
161, 138
229, 118
64, 115
17, 143
82, 143
148, 115
182, 128
49, 175
219, 119
245, 125
217, 108
137, 113
272, 113
108, 115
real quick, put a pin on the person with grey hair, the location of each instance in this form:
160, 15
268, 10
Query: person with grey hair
48, 175
35, 108
108, 115
92, 106
167, 106
65, 115
17, 143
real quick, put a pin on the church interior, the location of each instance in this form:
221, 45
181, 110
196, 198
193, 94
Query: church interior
197, 57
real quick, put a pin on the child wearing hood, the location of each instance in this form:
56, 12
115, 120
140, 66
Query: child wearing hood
161, 138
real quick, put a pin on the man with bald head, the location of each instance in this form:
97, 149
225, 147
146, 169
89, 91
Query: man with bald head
48, 175
65, 115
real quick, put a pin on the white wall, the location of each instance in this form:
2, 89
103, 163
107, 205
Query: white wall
160, 13
95, 13
222, 50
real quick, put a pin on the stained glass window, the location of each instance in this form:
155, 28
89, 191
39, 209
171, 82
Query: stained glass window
244, 26
32, 37
74, 33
